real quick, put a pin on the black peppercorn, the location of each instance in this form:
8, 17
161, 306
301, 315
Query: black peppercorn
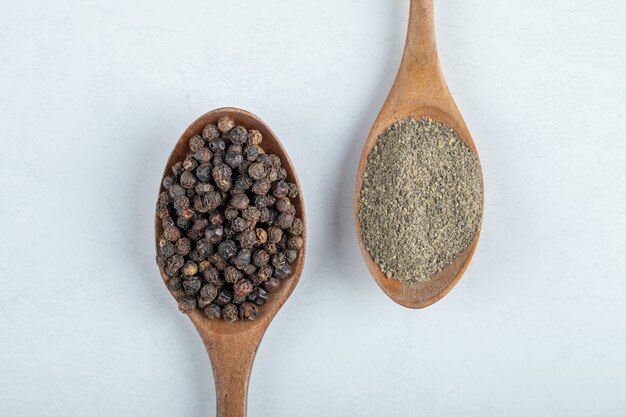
212, 276
167, 249
176, 190
261, 187
274, 234
265, 272
214, 234
162, 212
187, 304
280, 189
216, 218
210, 132
230, 313
271, 285
191, 285
272, 216
203, 265
295, 242
241, 259
171, 233
202, 303
265, 160
194, 256
254, 137
168, 182
238, 299
175, 283
213, 312
258, 296
239, 225
230, 213
284, 220
227, 249
190, 163
221, 172
283, 271
200, 225
283, 204
257, 171
261, 201
255, 280
251, 152
261, 236
186, 214
247, 239
243, 182
270, 248
217, 145
177, 169
264, 215
293, 191
224, 297
272, 174
183, 246
188, 180
278, 260
205, 172
248, 311
249, 269
260, 258
208, 292
251, 215
173, 264
203, 203
240, 201
190, 268
243, 287
291, 255
297, 227
204, 248
203, 155
218, 262
195, 143
225, 124
203, 188
167, 222
181, 203
238, 135
232, 274
233, 159
161, 260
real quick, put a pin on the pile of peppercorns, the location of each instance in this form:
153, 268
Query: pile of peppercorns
230, 230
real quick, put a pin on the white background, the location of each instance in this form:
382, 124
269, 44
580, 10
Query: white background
94, 94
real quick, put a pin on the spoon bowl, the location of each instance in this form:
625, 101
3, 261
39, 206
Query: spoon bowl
419, 91
232, 346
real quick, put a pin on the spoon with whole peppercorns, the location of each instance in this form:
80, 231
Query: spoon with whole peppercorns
230, 239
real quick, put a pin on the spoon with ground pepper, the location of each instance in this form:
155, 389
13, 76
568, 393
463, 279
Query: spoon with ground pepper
419, 91
232, 346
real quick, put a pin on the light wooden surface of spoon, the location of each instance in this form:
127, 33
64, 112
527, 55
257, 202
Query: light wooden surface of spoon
419, 90
232, 346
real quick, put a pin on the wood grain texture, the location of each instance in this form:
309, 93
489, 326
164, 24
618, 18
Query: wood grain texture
419, 90
232, 346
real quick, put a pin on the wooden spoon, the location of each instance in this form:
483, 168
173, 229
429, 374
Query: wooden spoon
419, 90
232, 346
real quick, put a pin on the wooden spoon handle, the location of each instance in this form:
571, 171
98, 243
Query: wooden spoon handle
232, 357
419, 80
421, 45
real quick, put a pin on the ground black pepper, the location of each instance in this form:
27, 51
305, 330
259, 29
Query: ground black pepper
230, 231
